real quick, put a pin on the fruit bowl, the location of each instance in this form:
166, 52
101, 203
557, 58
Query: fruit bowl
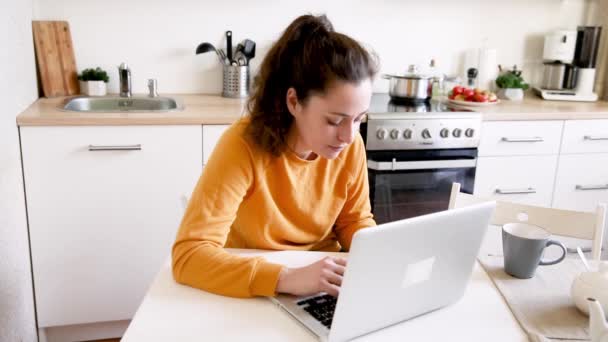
463, 96
473, 104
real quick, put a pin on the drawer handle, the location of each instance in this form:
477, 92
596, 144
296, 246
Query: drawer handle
591, 137
533, 139
515, 191
592, 187
136, 147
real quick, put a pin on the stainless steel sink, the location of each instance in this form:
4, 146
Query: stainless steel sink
122, 104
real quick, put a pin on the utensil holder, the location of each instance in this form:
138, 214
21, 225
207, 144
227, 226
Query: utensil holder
236, 81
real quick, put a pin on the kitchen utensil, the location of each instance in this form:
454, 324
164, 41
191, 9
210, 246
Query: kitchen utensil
236, 81
224, 59
229, 45
411, 87
206, 47
592, 284
240, 58
249, 49
55, 58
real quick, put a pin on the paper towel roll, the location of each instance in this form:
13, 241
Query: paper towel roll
487, 69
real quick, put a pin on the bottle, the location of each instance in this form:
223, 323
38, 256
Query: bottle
437, 84
472, 78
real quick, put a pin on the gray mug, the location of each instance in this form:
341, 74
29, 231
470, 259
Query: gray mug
523, 245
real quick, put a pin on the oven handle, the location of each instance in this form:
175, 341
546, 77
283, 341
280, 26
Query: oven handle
420, 165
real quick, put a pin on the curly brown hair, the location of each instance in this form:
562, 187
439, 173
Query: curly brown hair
308, 57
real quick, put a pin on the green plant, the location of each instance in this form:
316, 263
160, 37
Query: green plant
97, 74
511, 79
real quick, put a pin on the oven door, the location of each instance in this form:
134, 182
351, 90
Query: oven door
405, 184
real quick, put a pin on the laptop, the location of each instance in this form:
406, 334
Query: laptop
395, 272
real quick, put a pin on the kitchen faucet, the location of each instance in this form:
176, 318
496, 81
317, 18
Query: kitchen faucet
125, 80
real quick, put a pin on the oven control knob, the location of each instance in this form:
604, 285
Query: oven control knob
457, 132
469, 132
444, 133
381, 134
394, 134
407, 134
426, 134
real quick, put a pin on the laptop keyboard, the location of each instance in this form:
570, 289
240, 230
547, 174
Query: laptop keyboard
321, 308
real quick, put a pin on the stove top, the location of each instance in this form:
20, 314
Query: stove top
382, 104
395, 125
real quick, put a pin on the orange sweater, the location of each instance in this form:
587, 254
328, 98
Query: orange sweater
246, 198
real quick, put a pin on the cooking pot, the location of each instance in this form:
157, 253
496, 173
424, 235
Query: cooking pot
411, 86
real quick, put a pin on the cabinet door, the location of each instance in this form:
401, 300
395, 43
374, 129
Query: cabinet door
582, 181
522, 179
513, 138
585, 136
104, 204
211, 135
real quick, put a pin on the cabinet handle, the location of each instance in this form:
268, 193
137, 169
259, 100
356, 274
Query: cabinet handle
592, 187
515, 191
136, 147
591, 137
532, 139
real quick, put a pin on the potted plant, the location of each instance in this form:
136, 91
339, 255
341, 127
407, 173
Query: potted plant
93, 82
511, 85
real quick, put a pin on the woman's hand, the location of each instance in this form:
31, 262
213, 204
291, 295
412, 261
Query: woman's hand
324, 275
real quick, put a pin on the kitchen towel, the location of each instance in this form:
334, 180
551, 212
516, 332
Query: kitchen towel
542, 304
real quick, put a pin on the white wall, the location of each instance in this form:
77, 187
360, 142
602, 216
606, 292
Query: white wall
158, 38
17, 91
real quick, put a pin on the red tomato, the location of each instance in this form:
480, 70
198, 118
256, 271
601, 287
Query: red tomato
480, 97
468, 92
470, 98
457, 90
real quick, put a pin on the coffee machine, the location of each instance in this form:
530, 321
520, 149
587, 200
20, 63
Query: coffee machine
569, 64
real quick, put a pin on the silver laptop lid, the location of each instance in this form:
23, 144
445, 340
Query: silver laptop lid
406, 268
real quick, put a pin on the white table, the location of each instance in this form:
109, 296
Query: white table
173, 312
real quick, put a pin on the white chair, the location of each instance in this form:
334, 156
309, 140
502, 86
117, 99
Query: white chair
568, 223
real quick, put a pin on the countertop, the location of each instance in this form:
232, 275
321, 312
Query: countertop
213, 109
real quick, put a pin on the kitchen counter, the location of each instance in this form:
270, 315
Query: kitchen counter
199, 110
213, 109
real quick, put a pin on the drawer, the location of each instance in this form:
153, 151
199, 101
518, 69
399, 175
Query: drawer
211, 135
504, 138
521, 179
585, 136
581, 182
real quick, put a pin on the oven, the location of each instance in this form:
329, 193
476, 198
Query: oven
405, 184
415, 153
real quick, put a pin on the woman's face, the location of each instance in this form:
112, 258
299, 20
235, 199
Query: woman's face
327, 123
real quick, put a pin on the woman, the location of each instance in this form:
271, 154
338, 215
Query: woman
291, 175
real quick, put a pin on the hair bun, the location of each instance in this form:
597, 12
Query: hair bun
309, 26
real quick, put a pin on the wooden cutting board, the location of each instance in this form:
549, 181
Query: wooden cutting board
55, 58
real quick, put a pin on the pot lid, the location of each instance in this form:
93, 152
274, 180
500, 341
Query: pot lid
412, 73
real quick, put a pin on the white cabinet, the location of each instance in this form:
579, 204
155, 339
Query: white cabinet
582, 181
103, 207
585, 136
517, 160
522, 179
211, 135
503, 138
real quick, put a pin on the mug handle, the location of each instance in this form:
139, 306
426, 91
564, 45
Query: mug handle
553, 262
